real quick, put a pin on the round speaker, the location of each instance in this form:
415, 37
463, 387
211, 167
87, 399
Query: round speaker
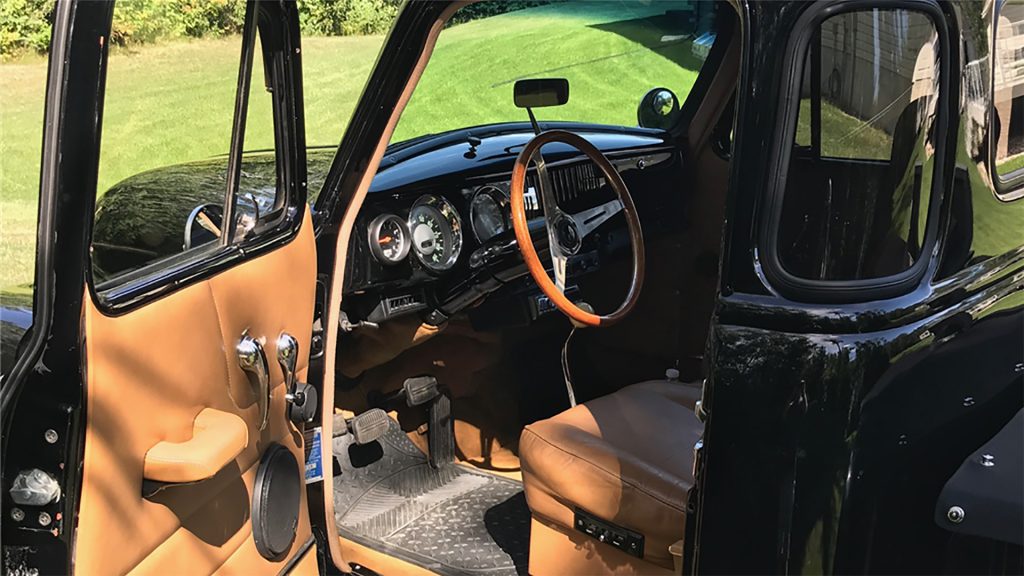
275, 502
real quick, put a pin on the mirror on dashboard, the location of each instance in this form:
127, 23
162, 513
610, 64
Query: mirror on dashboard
658, 109
541, 92
203, 225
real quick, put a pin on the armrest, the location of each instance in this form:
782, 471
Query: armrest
217, 439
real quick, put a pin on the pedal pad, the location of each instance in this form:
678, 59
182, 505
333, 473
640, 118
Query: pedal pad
369, 426
420, 390
441, 434
340, 425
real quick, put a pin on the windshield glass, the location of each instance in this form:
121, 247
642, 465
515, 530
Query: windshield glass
612, 52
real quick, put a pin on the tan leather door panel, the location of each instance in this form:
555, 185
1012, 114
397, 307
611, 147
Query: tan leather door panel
150, 372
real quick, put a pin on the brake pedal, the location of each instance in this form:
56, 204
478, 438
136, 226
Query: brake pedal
420, 390
369, 426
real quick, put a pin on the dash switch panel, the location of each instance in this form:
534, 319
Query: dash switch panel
628, 541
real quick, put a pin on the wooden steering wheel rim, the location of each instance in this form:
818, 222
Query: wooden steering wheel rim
522, 230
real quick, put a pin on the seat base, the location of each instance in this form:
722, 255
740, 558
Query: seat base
625, 458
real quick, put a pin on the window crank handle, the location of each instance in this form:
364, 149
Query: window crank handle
287, 355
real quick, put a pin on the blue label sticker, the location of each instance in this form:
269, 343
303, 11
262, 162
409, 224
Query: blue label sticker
314, 455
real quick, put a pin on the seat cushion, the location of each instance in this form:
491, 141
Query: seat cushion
626, 458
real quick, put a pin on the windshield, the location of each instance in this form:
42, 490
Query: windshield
612, 52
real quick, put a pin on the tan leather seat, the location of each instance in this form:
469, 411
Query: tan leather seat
626, 458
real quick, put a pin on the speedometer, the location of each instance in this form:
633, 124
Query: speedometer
436, 231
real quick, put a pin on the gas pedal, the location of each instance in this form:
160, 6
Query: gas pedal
441, 434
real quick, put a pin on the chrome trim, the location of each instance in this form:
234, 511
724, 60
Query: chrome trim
500, 199
588, 220
373, 236
451, 219
253, 362
287, 357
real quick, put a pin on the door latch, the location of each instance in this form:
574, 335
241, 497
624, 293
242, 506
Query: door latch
253, 361
301, 397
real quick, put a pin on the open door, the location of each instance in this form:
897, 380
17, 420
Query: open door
160, 394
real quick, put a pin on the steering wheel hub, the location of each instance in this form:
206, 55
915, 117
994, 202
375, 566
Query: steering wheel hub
568, 235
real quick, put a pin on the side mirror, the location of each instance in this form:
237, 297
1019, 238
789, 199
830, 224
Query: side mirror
540, 92
659, 108
204, 224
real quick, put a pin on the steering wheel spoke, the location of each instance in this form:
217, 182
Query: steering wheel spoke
558, 262
588, 220
552, 213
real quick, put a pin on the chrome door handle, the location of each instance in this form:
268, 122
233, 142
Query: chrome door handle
253, 361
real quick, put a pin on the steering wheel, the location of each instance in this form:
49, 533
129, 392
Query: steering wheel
567, 231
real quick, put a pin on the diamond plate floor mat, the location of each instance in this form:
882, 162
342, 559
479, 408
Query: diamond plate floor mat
453, 520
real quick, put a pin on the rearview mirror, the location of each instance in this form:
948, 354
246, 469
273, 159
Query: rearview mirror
541, 92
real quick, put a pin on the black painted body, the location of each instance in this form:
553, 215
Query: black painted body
831, 428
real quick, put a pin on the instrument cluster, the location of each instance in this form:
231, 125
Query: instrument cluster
432, 233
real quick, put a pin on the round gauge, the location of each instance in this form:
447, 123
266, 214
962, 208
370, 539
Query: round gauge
389, 239
487, 213
436, 232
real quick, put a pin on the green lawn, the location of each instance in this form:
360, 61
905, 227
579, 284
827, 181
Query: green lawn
611, 54
172, 103
843, 136
1011, 165
144, 126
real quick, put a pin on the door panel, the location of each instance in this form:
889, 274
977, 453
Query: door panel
149, 373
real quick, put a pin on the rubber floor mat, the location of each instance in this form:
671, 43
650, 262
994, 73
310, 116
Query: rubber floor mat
453, 520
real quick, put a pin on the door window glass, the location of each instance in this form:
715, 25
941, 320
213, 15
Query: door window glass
167, 126
1008, 89
856, 197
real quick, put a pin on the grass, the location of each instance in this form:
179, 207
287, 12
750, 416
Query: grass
172, 103
151, 121
998, 225
843, 135
1010, 165
21, 123
611, 54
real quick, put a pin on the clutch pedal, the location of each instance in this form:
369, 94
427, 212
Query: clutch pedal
369, 426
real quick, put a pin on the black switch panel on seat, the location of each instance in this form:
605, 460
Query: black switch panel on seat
622, 538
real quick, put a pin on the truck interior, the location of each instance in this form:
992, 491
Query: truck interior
476, 429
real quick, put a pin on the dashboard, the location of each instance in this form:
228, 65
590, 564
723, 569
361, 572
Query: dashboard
434, 234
